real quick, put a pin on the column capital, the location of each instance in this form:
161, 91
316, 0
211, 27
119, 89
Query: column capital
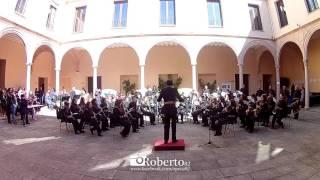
28, 64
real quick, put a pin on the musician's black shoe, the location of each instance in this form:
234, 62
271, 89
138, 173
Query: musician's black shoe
181, 122
27, 123
153, 123
81, 131
91, 130
174, 141
141, 125
242, 126
218, 134
77, 132
205, 125
165, 142
99, 134
105, 129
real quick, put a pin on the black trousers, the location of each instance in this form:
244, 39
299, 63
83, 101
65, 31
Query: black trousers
126, 126
170, 117
8, 112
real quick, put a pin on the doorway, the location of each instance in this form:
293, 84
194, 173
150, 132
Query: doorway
90, 83
266, 81
43, 83
245, 82
2, 73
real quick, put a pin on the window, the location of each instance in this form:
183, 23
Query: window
20, 6
167, 12
214, 13
120, 13
255, 17
51, 16
282, 13
79, 19
312, 5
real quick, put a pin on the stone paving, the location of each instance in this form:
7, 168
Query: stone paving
41, 151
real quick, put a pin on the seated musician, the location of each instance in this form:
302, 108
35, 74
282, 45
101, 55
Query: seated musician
146, 112
220, 116
264, 112
100, 115
242, 108
75, 110
121, 118
206, 114
105, 109
295, 107
198, 110
250, 117
137, 117
281, 111
181, 111
67, 117
271, 105
91, 119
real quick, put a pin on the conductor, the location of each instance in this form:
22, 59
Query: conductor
169, 95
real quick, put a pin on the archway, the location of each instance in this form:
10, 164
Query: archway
259, 65
12, 61
314, 62
42, 70
76, 70
168, 60
291, 65
217, 62
117, 63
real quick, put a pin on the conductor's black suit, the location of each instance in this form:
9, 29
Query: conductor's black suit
169, 95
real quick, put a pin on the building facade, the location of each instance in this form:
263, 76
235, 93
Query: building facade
100, 43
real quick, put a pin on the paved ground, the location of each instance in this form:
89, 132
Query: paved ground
40, 151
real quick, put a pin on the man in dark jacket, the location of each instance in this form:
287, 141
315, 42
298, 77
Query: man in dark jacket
24, 110
169, 94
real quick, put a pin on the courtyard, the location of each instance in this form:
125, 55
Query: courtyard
41, 151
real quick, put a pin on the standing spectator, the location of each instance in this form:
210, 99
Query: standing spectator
8, 105
36, 93
271, 92
41, 96
13, 106
24, 110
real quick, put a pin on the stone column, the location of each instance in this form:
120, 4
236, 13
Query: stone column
28, 79
194, 77
142, 80
241, 76
278, 81
57, 80
306, 84
95, 79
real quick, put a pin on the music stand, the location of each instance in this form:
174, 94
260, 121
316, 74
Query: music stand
209, 140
